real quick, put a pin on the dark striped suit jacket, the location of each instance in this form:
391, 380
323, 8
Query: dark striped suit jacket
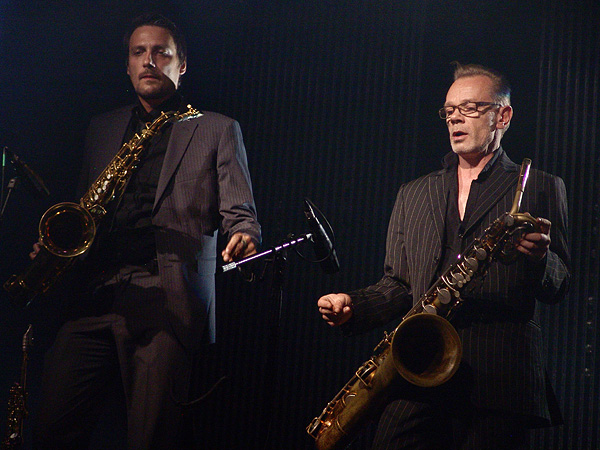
204, 184
501, 342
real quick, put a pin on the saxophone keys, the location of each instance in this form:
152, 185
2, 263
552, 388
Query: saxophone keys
349, 396
366, 372
314, 427
429, 309
459, 279
444, 296
480, 254
472, 263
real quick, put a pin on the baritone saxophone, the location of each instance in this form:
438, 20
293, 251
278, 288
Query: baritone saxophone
425, 348
67, 230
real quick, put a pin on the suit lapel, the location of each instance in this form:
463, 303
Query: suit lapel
181, 136
438, 201
437, 204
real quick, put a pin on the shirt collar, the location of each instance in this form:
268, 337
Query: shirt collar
450, 161
173, 103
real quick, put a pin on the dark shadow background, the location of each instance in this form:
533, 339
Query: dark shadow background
337, 101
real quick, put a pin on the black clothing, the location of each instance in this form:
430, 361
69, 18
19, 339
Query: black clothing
502, 369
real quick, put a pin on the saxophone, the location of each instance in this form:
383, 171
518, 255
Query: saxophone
17, 407
67, 230
425, 348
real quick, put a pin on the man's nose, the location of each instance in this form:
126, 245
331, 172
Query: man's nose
456, 116
149, 61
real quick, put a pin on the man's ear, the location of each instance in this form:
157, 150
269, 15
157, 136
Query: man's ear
505, 114
182, 68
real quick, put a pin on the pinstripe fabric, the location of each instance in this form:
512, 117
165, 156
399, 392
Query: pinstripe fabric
204, 184
502, 353
153, 322
415, 425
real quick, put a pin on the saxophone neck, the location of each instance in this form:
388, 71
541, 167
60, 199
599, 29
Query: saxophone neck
27, 343
522, 181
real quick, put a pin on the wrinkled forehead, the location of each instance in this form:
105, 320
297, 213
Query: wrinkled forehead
476, 88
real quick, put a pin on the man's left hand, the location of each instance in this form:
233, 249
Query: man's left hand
535, 245
239, 246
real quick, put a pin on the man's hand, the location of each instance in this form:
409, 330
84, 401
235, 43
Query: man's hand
535, 245
335, 309
239, 246
36, 249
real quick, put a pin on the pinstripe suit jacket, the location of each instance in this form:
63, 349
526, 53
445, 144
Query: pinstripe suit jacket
204, 184
502, 348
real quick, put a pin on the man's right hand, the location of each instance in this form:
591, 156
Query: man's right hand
335, 309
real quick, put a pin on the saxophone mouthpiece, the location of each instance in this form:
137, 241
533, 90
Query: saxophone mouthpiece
523, 175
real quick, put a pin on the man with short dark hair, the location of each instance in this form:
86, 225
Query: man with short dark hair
500, 390
143, 298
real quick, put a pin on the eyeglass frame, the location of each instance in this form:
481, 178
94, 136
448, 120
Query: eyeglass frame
478, 105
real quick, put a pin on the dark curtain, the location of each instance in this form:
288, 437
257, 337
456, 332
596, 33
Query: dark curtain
337, 101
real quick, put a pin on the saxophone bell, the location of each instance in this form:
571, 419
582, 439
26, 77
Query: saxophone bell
67, 230
426, 350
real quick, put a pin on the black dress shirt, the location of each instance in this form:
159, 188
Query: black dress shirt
130, 236
454, 242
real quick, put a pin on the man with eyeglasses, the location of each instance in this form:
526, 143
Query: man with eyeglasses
501, 389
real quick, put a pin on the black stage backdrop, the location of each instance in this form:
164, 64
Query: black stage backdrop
337, 101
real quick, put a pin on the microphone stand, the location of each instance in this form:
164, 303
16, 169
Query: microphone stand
276, 293
22, 170
12, 184
275, 297
2, 176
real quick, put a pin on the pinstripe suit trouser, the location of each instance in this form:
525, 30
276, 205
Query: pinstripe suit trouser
128, 353
434, 425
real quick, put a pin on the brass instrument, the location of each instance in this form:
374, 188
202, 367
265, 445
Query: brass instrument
17, 402
424, 349
67, 230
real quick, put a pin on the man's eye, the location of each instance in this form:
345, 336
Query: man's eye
469, 108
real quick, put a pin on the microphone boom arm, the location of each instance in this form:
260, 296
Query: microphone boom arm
291, 242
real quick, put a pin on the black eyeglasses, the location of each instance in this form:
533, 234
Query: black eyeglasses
468, 109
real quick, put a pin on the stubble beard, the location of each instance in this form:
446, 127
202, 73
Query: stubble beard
154, 92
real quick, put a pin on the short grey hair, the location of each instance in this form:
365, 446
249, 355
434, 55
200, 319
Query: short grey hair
500, 83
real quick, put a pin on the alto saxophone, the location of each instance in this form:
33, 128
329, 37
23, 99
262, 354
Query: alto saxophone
17, 403
425, 348
67, 230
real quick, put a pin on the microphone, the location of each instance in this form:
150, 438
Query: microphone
27, 172
323, 245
